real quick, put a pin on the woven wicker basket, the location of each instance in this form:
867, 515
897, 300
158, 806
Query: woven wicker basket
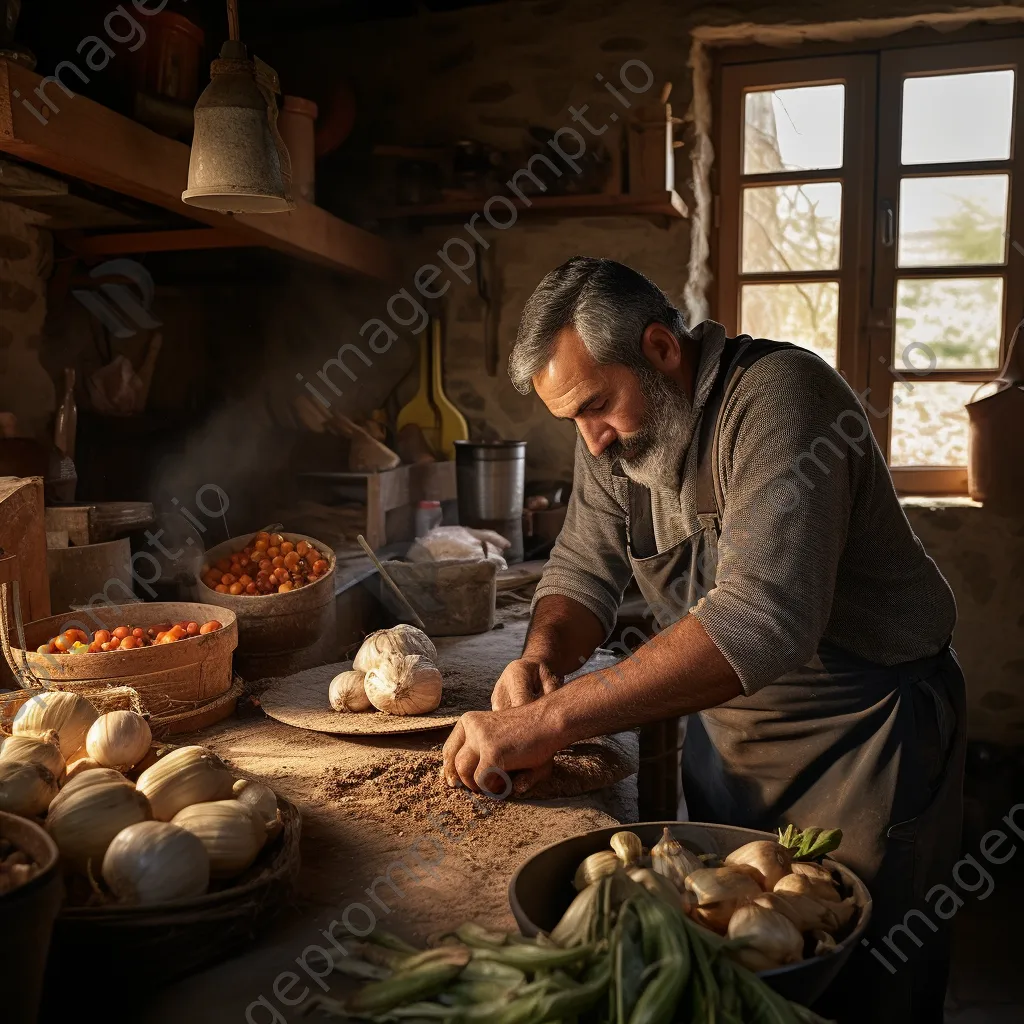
157, 944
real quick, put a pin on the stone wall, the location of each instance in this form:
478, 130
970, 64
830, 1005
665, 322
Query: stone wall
26, 254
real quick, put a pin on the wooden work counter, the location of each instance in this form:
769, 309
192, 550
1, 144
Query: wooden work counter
449, 861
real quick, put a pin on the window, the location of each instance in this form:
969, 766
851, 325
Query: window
865, 211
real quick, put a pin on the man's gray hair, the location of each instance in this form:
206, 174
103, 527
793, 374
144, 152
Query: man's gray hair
608, 303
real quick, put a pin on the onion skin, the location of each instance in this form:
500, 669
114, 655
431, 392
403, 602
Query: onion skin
85, 820
89, 775
44, 750
68, 714
769, 861
185, 776
155, 861
400, 639
230, 831
719, 892
26, 788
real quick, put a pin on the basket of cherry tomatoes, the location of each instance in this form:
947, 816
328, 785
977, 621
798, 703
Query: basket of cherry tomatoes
279, 585
72, 640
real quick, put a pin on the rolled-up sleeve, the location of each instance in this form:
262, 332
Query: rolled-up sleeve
589, 562
788, 474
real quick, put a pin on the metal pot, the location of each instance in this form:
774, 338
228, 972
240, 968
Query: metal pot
491, 478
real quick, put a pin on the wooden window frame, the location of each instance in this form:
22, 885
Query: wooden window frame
867, 283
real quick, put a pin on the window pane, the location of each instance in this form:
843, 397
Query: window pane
793, 129
806, 314
957, 117
953, 221
791, 227
948, 323
929, 424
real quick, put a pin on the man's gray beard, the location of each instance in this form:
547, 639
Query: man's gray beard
654, 456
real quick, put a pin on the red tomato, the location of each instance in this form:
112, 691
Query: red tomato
209, 627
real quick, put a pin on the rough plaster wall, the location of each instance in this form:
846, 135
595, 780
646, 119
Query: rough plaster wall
982, 556
26, 255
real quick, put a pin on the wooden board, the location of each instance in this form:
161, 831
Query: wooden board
86, 140
23, 533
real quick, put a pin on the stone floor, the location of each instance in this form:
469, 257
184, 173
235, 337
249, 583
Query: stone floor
987, 983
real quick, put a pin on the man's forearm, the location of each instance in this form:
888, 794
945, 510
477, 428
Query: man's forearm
678, 672
563, 634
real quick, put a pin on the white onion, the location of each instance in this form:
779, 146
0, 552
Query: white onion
404, 685
68, 714
155, 861
232, 834
119, 739
84, 820
26, 787
88, 774
262, 801
188, 775
400, 639
44, 750
347, 693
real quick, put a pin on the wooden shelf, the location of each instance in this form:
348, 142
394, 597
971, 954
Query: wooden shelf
669, 204
85, 140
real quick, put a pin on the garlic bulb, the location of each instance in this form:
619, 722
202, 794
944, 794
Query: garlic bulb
670, 858
595, 867
230, 831
68, 714
810, 870
119, 739
767, 932
44, 750
82, 765
400, 639
804, 886
155, 861
84, 820
26, 787
627, 847
805, 913
262, 801
769, 860
87, 773
185, 776
719, 891
406, 684
347, 693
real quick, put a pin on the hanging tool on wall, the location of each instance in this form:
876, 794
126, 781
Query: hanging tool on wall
453, 426
488, 287
420, 411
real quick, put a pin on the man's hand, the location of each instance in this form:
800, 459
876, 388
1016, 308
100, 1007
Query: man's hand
485, 747
522, 682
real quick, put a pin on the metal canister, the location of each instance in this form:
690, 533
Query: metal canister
491, 477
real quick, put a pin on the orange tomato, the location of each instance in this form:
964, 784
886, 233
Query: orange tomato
192, 628
251, 588
221, 589
302, 547
261, 544
138, 632
227, 579
209, 627
276, 540
277, 561
95, 647
167, 638
121, 632
266, 565
176, 631
273, 551
245, 580
285, 587
63, 642
224, 564
291, 559
286, 546
43, 649
319, 567
236, 589
281, 574
263, 535
128, 643
102, 635
110, 645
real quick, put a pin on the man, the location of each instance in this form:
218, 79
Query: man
802, 626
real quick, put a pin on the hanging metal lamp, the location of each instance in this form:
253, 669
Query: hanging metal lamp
239, 162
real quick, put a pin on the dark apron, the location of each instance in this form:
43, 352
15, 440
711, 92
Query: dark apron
839, 743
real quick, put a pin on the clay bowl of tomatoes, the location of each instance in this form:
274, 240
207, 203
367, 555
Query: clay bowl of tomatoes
279, 585
184, 664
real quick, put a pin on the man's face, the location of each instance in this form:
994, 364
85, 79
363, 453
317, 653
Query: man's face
604, 402
641, 419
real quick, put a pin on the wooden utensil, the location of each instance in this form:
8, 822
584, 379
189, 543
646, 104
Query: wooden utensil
402, 599
420, 410
453, 426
